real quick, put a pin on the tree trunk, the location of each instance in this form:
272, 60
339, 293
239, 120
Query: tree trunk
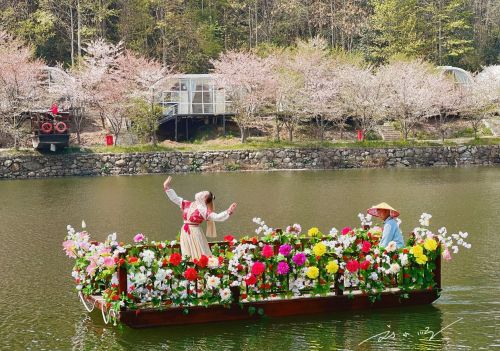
72, 24
243, 137
290, 133
277, 129
79, 29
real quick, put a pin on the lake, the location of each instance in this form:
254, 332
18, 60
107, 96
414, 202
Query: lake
40, 310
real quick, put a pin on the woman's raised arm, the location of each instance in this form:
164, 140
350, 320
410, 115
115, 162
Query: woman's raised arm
171, 192
222, 216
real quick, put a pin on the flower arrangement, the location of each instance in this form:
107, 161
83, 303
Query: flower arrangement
274, 265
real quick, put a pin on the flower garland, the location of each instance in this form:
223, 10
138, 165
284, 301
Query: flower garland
276, 264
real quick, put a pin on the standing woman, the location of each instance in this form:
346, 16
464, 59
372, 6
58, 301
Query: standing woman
193, 242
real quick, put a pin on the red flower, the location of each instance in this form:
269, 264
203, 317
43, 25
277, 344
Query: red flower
406, 275
121, 261
191, 274
366, 246
405, 251
254, 240
267, 251
364, 265
130, 296
132, 259
244, 296
346, 230
251, 280
395, 256
175, 258
202, 262
258, 268
352, 266
115, 298
239, 267
164, 262
221, 260
229, 238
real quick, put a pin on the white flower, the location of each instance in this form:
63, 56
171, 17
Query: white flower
395, 268
404, 259
79, 287
455, 249
148, 257
334, 231
424, 219
373, 276
84, 225
392, 246
160, 275
140, 278
213, 281
463, 235
213, 262
225, 294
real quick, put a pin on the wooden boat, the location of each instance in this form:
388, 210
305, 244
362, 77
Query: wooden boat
273, 307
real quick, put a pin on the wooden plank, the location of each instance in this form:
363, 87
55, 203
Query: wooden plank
273, 309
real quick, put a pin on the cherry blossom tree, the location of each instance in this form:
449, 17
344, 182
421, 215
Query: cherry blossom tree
20, 84
446, 99
409, 97
247, 80
321, 85
147, 78
362, 96
478, 101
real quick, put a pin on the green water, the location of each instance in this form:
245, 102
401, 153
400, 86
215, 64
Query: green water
39, 308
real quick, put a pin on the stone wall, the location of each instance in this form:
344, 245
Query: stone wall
85, 164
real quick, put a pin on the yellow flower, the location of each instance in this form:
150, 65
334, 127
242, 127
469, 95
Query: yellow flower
417, 250
332, 267
421, 259
319, 249
430, 244
313, 231
312, 272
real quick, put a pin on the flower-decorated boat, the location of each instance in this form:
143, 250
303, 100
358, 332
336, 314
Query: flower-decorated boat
280, 273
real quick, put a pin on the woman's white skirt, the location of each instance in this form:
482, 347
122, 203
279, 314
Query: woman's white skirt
194, 244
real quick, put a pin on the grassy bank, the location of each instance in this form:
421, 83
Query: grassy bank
260, 144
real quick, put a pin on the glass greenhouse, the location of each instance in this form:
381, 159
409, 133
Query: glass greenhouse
195, 94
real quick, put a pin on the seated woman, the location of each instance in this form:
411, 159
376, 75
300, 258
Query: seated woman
193, 242
391, 230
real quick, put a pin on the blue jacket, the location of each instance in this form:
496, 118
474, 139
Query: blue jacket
391, 233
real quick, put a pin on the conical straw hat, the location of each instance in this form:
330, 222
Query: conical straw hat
383, 206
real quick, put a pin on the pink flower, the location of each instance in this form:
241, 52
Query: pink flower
299, 259
68, 247
258, 268
346, 230
91, 268
267, 251
139, 237
285, 249
447, 254
109, 261
283, 268
352, 266
366, 246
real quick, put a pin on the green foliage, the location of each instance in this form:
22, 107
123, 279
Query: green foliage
145, 119
187, 34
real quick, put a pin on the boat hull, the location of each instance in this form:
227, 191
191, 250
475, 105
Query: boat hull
144, 318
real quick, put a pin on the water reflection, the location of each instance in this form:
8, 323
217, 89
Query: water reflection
407, 328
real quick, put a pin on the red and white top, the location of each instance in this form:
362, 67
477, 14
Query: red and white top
194, 213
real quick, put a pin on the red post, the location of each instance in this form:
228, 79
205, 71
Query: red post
360, 135
109, 140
